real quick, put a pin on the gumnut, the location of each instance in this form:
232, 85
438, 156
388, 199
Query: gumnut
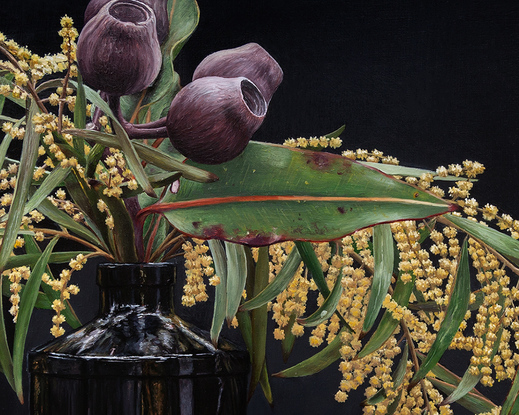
118, 51
250, 61
159, 7
212, 119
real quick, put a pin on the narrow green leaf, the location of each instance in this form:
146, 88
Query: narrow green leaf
388, 324
265, 384
395, 170
149, 154
164, 179
392, 407
53, 180
287, 343
20, 232
319, 361
23, 182
53, 213
471, 401
245, 326
326, 310
512, 397
454, 315
6, 142
91, 96
500, 241
278, 284
93, 158
336, 133
123, 233
132, 158
220, 295
169, 163
9, 77
27, 303
306, 250
80, 106
4, 147
259, 318
401, 369
86, 198
469, 381
43, 302
30, 260
80, 119
27, 162
515, 409
398, 378
6, 362
383, 257
236, 277
32, 249
124, 142
8, 80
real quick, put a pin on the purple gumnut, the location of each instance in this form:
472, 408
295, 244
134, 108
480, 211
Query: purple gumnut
159, 7
118, 51
250, 61
212, 119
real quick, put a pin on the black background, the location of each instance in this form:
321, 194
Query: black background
431, 83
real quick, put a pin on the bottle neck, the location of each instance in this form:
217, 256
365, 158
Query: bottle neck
148, 284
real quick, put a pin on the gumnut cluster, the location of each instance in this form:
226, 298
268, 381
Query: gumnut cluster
212, 118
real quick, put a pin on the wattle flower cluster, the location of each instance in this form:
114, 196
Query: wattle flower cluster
212, 119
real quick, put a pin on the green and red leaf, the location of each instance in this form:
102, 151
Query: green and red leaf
272, 193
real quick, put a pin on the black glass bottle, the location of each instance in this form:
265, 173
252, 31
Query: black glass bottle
137, 357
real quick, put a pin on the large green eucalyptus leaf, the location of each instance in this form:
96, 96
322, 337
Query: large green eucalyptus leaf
500, 241
384, 257
272, 193
458, 305
183, 19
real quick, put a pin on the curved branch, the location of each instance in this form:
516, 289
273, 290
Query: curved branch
67, 235
152, 130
